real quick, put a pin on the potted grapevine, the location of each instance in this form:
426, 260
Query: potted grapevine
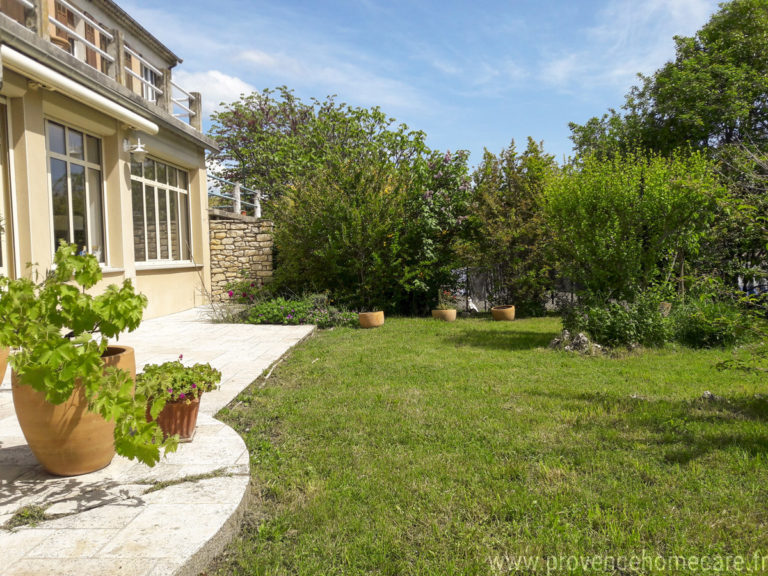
173, 392
73, 392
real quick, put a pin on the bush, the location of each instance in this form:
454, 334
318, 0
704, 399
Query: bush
313, 309
705, 323
620, 324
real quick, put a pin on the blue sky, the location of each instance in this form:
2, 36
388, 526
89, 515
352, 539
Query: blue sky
470, 74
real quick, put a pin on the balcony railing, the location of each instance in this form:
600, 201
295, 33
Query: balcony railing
105, 49
229, 196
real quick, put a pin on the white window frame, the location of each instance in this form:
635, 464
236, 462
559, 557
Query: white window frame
159, 188
148, 88
4, 190
68, 160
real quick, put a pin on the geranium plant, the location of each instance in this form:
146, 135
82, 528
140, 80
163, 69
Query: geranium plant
58, 333
174, 382
446, 300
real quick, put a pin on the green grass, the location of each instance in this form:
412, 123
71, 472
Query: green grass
431, 448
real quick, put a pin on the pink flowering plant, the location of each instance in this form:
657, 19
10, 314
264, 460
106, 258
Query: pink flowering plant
174, 382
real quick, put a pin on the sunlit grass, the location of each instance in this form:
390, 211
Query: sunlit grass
423, 447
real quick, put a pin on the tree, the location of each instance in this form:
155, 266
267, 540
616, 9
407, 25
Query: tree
714, 93
368, 211
622, 224
509, 237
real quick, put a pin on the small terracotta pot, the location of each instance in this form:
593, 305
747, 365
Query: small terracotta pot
67, 439
3, 362
371, 319
444, 315
178, 418
503, 313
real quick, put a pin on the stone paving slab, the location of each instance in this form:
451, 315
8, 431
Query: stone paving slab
116, 520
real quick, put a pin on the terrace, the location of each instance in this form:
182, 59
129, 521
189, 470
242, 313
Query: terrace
102, 36
129, 518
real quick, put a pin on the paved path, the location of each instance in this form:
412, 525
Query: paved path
119, 520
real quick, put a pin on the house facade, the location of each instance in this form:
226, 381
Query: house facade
99, 147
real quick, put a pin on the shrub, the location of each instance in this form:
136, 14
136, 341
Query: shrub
704, 323
313, 309
620, 324
619, 226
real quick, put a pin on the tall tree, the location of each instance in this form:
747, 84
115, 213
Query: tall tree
507, 219
714, 93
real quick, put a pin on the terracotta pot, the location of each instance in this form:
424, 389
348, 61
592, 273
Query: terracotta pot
444, 315
371, 319
503, 313
3, 362
67, 439
178, 418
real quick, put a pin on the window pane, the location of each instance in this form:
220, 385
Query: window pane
94, 150
135, 167
149, 169
60, 201
171, 176
161, 173
56, 138
174, 211
162, 210
79, 222
139, 245
76, 144
95, 214
183, 180
184, 227
149, 198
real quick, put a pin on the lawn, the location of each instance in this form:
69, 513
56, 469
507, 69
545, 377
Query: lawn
431, 448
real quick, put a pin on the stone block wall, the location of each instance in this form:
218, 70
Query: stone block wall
240, 246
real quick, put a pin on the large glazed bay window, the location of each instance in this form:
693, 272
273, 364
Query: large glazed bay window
160, 195
74, 168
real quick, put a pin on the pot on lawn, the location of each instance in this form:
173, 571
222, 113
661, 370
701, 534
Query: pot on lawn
178, 417
444, 315
503, 313
67, 439
371, 319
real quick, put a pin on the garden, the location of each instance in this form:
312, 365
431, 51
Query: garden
622, 413
613, 402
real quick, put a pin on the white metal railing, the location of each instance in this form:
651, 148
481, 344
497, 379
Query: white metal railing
232, 193
87, 19
180, 102
144, 81
70, 32
142, 60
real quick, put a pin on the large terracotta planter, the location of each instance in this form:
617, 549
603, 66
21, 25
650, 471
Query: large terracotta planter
178, 418
3, 362
444, 315
371, 319
67, 439
503, 313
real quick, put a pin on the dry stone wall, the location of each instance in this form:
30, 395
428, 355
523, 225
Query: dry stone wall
240, 246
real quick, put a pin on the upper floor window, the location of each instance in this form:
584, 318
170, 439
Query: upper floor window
75, 181
160, 197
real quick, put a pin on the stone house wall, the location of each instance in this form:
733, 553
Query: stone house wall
241, 247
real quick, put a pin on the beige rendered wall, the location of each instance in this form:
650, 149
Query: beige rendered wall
169, 287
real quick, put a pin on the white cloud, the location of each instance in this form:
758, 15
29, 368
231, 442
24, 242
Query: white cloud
336, 75
629, 37
214, 86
